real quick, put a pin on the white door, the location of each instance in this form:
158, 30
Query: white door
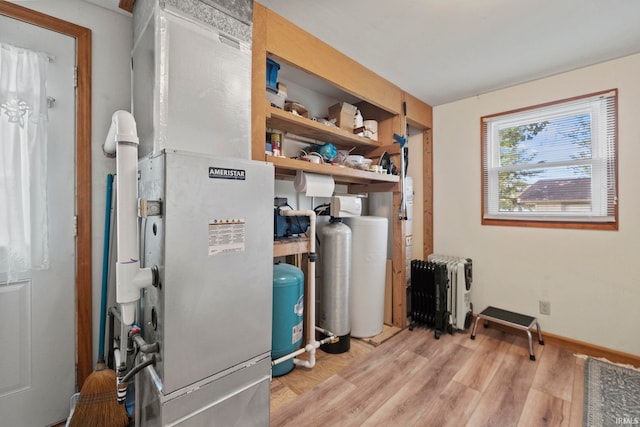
37, 313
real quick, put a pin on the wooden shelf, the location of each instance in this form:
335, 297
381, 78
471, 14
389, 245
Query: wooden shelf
380, 100
290, 246
289, 122
286, 168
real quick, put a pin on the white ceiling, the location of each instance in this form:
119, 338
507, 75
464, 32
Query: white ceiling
445, 50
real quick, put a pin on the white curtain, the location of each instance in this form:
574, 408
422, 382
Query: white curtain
23, 167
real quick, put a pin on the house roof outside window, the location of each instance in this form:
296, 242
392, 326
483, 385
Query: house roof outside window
558, 190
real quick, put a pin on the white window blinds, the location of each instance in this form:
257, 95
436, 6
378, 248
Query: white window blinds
555, 162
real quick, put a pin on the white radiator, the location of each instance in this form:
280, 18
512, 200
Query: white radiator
460, 275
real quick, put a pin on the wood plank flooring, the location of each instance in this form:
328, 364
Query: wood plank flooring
413, 379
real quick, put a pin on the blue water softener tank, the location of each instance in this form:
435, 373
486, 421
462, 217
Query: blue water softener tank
288, 314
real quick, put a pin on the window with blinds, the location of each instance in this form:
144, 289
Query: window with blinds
552, 165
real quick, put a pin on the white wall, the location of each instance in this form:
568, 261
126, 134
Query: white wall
111, 47
589, 277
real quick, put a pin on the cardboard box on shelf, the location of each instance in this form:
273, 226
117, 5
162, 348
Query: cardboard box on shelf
298, 108
344, 115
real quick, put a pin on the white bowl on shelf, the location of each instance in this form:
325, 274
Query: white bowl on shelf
353, 158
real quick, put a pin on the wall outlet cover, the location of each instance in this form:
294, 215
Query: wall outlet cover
545, 307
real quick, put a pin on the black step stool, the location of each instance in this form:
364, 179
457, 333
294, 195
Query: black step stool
509, 318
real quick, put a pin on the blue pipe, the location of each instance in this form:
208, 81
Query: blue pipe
105, 267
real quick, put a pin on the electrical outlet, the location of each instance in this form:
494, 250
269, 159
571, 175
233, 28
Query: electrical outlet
545, 307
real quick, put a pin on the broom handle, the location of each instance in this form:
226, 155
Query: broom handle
105, 267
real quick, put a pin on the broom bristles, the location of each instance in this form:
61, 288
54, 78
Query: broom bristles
98, 405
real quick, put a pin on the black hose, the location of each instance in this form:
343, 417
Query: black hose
138, 368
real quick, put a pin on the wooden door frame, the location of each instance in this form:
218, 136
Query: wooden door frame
84, 365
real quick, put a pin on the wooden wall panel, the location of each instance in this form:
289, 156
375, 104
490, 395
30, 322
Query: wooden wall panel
399, 292
298, 47
427, 191
126, 5
419, 114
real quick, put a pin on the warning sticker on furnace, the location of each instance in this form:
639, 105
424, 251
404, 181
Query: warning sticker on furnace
226, 235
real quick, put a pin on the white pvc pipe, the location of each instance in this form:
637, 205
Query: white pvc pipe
311, 348
288, 356
117, 358
329, 334
122, 129
130, 278
311, 326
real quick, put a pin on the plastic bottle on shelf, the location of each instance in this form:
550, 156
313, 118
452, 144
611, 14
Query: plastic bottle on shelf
276, 144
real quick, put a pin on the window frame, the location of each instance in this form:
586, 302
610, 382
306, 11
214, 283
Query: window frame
490, 154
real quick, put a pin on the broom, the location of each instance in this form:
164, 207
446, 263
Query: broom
98, 405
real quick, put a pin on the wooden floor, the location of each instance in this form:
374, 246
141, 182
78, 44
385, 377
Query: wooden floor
413, 379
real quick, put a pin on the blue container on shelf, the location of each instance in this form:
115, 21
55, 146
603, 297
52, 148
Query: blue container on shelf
272, 75
288, 311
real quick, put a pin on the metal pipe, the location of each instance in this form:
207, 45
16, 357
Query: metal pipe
144, 346
115, 313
